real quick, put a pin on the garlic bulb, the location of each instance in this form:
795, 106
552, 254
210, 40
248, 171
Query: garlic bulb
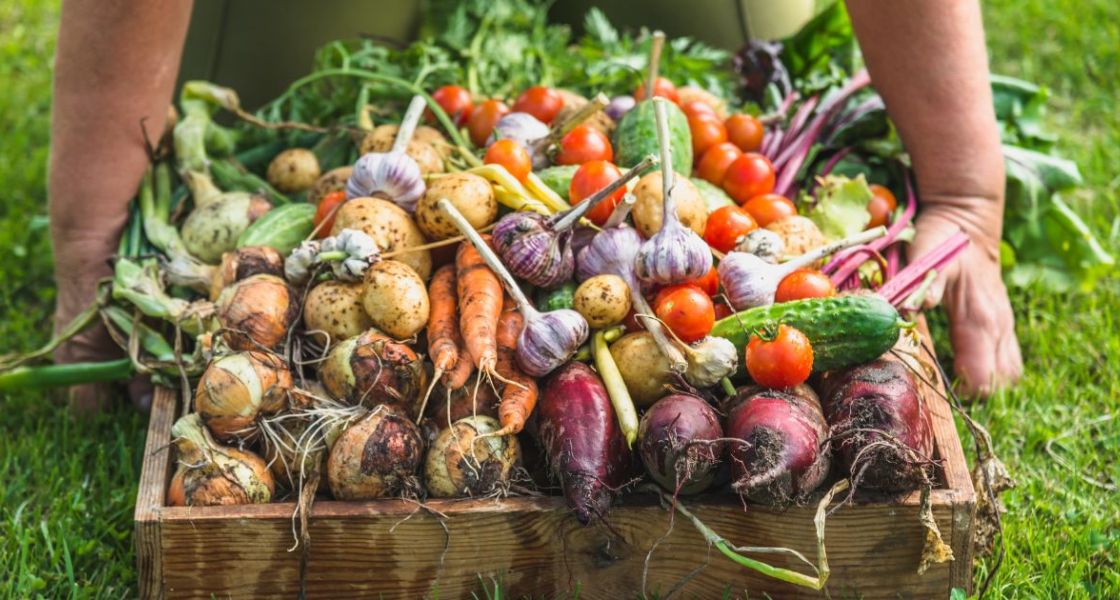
763, 243
710, 360
297, 267
394, 174
350, 253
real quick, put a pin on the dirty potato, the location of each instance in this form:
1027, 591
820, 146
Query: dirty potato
691, 208
425, 147
469, 193
603, 300
391, 228
335, 308
799, 234
293, 170
331, 181
395, 299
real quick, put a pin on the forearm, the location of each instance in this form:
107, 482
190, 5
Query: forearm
928, 61
115, 67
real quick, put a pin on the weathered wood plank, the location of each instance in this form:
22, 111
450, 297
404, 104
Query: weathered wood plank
150, 497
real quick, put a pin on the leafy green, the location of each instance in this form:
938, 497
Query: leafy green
824, 52
840, 206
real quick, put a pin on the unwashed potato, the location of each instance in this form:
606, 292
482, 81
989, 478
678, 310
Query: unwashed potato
573, 102
331, 181
293, 170
644, 369
395, 299
799, 234
603, 300
390, 227
691, 208
424, 147
470, 194
335, 308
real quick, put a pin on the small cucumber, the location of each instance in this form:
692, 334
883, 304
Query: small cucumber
636, 137
556, 298
713, 196
844, 330
282, 228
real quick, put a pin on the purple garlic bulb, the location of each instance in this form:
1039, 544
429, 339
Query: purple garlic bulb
619, 106
533, 250
611, 252
393, 175
673, 255
748, 280
549, 340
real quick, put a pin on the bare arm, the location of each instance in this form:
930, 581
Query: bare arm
928, 60
116, 65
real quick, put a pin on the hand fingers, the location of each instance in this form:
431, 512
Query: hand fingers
931, 231
982, 330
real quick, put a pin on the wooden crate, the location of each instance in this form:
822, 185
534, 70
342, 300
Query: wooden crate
388, 549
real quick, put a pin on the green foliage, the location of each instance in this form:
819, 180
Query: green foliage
840, 208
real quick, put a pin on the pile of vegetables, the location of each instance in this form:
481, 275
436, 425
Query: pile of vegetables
398, 275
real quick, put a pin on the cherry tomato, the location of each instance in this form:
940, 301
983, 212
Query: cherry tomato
723, 310
750, 175
455, 101
661, 87
709, 283
686, 310
483, 118
715, 160
541, 102
583, 144
325, 212
707, 131
591, 177
768, 208
881, 206
804, 283
697, 107
726, 225
745, 131
511, 155
784, 361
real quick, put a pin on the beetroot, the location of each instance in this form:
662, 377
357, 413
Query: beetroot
585, 446
881, 427
680, 443
782, 456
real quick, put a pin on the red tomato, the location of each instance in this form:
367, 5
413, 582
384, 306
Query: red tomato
541, 102
583, 144
686, 310
726, 225
511, 155
745, 131
697, 107
768, 208
455, 101
750, 175
881, 206
591, 177
709, 283
715, 160
483, 118
723, 311
707, 131
804, 283
325, 212
661, 87
784, 361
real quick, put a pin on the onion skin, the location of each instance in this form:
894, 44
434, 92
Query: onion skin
243, 263
461, 462
783, 455
257, 312
586, 450
237, 389
373, 369
376, 457
213, 475
681, 444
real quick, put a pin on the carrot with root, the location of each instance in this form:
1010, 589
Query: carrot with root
480, 307
519, 396
444, 341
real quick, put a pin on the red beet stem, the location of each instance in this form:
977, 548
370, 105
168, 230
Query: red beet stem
901, 285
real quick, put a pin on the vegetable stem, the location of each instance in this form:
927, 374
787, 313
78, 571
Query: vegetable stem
65, 375
569, 218
618, 216
596, 104
408, 124
616, 388
668, 176
655, 45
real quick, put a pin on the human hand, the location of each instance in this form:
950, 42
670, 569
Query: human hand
981, 324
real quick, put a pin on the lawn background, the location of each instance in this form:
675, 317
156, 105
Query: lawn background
67, 487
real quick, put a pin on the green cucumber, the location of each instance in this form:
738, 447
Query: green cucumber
636, 137
282, 228
844, 330
713, 196
558, 178
556, 298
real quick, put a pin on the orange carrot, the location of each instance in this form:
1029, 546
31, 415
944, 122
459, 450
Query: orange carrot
519, 395
480, 305
443, 327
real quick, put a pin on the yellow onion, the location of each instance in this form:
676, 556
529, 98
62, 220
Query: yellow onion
210, 474
373, 369
301, 443
376, 457
257, 312
242, 264
238, 389
467, 460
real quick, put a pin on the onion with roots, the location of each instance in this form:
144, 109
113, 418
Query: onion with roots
256, 313
373, 369
239, 389
299, 441
210, 474
681, 443
467, 459
236, 265
376, 457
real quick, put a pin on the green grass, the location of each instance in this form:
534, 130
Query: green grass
67, 487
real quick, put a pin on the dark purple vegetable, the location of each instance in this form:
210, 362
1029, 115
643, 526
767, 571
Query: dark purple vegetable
781, 457
881, 428
680, 443
586, 449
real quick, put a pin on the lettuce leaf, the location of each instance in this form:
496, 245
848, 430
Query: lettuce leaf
840, 206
